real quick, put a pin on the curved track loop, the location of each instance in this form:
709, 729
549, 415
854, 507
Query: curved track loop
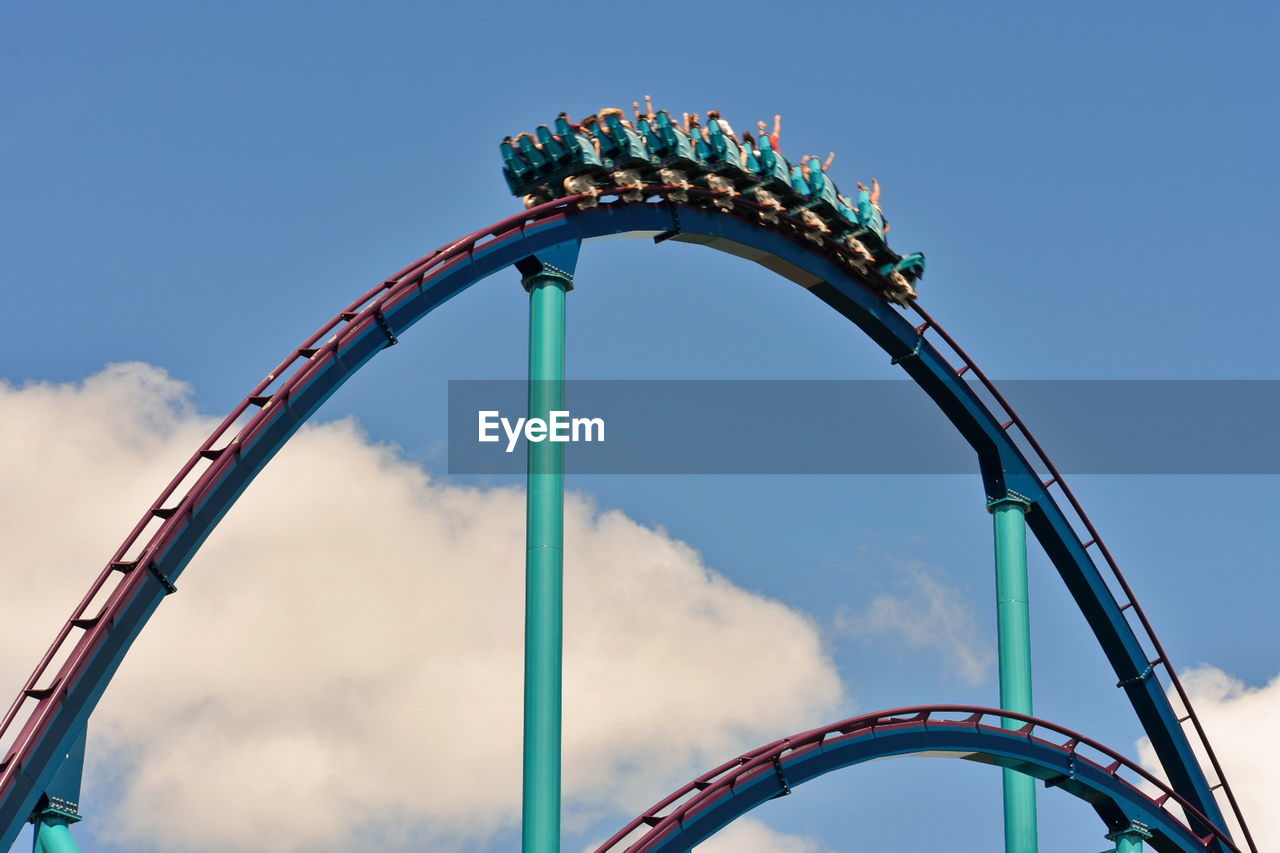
1061, 757
56, 700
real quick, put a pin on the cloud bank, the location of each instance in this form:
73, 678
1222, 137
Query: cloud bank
342, 662
751, 836
1241, 722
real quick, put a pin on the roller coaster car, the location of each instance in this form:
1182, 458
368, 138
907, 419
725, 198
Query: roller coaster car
584, 155
849, 227
870, 217
521, 173
580, 144
910, 267
671, 146
824, 199
723, 155
770, 176
846, 216
774, 173
529, 168
875, 244
621, 144
799, 186
557, 154
902, 275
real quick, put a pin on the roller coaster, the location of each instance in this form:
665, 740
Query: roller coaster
656, 181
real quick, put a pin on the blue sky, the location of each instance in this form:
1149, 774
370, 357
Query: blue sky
199, 186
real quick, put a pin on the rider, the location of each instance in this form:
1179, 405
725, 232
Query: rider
869, 212
775, 136
807, 164
622, 119
725, 128
648, 115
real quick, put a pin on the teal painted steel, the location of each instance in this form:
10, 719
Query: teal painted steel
544, 556
1129, 843
1013, 625
53, 835
60, 803
1130, 840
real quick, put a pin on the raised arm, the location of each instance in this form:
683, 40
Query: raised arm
831, 158
875, 191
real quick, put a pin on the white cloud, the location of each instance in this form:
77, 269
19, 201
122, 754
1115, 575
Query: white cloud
751, 836
747, 835
343, 658
932, 615
1241, 722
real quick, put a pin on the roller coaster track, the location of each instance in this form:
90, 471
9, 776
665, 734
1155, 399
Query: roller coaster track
54, 703
1079, 765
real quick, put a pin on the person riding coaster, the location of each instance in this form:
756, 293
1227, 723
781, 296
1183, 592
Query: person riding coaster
869, 212
673, 150
771, 179
823, 197
626, 150
725, 159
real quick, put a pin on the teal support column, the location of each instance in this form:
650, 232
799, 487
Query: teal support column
52, 834
1013, 626
547, 278
1129, 840
59, 807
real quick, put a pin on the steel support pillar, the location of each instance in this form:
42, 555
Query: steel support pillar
1129, 840
548, 278
52, 834
1013, 626
60, 805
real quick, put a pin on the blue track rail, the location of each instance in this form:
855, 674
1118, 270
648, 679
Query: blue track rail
1061, 758
55, 703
